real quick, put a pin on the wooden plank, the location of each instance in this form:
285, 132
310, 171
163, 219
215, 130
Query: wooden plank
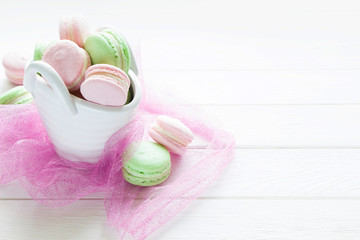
290, 173
259, 87
289, 126
275, 173
266, 219
204, 219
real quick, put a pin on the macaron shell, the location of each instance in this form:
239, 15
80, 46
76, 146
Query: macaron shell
16, 95
73, 28
40, 48
104, 91
124, 49
69, 61
146, 182
118, 75
175, 128
81, 75
14, 77
102, 49
14, 65
149, 165
105, 84
168, 143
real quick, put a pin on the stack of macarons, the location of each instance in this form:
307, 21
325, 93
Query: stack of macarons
93, 66
14, 65
151, 163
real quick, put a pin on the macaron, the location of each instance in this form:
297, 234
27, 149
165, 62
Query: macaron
74, 28
109, 47
106, 85
149, 165
171, 133
69, 61
14, 65
16, 95
40, 48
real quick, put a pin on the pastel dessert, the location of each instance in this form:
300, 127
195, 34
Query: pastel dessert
106, 85
171, 133
40, 48
16, 95
69, 61
14, 65
74, 28
150, 165
109, 47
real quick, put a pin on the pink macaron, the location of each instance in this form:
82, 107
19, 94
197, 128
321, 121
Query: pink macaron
14, 65
69, 61
74, 28
171, 133
106, 85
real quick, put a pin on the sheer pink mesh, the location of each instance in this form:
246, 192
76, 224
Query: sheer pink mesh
27, 154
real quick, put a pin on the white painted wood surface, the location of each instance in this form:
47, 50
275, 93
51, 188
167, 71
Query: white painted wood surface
282, 76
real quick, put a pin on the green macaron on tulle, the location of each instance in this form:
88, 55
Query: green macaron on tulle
150, 165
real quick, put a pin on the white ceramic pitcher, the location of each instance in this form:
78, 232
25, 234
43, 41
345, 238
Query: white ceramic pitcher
78, 129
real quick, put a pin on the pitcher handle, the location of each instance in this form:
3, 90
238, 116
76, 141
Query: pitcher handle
54, 80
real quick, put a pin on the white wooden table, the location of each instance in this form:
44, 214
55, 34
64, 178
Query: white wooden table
282, 76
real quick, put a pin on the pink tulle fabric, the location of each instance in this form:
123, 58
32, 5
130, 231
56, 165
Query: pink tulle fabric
27, 155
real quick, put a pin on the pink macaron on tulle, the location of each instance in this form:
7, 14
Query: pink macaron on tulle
171, 133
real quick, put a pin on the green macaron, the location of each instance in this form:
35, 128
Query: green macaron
150, 165
109, 47
40, 48
16, 95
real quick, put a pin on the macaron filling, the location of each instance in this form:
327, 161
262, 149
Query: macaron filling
123, 49
148, 175
111, 93
169, 135
106, 84
149, 165
115, 74
167, 142
13, 75
143, 179
16, 95
73, 28
176, 128
25, 98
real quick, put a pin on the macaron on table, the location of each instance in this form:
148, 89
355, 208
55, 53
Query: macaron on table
16, 95
84, 124
14, 65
